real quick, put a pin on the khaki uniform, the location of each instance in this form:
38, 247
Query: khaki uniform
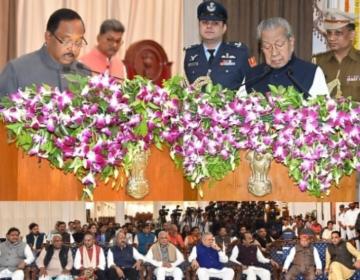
348, 73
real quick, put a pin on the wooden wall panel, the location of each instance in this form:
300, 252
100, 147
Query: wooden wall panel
8, 167
234, 187
26, 178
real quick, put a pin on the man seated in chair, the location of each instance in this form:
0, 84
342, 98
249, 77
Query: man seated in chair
304, 259
208, 259
144, 239
14, 256
124, 261
165, 257
55, 261
223, 240
90, 259
339, 258
250, 258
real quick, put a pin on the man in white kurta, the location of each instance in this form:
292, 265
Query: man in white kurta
165, 257
350, 220
90, 259
14, 256
207, 258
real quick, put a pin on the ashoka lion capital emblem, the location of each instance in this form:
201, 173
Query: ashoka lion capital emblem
259, 184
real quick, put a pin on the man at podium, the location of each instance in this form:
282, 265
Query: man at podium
64, 37
281, 66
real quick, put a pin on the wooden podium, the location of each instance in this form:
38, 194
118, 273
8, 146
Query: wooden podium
27, 178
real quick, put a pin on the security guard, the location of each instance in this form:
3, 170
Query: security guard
281, 66
225, 63
341, 64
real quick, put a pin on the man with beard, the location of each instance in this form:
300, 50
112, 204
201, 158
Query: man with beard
78, 234
35, 239
64, 38
55, 260
223, 240
14, 256
123, 260
103, 58
90, 259
339, 258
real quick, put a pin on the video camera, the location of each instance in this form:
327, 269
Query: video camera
163, 212
176, 214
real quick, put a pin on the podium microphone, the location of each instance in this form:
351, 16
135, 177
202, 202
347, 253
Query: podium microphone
290, 73
82, 66
267, 71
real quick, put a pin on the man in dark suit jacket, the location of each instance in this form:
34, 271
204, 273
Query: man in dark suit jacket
35, 239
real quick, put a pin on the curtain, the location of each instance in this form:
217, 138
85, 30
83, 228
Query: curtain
46, 214
159, 20
7, 29
245, 15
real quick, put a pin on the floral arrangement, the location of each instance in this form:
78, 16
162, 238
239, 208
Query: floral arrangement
99, 125
92, 129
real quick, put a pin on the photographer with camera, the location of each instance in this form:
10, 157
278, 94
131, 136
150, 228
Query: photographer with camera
163, 212
175, 215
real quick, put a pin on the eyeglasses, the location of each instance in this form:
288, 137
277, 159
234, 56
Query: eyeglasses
277, 46
67, 42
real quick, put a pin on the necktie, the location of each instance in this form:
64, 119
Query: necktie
211, 58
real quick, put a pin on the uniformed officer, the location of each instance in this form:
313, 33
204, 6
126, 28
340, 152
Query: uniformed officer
341, 64
281, 66
225, 63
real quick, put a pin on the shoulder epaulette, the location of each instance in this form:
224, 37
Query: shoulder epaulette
321, 54
235, 44
315, 57
252, 61
190, 47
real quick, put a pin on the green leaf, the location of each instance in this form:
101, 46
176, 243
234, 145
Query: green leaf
141, 129
88, 193
15, 127
24, 141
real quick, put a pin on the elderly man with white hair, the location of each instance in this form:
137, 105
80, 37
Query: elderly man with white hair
281, 66
165, 257
55, 261
209, 260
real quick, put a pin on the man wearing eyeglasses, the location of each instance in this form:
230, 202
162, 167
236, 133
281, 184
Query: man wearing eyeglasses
281, 66
224, 63
102, 58
64, 38
341, 64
